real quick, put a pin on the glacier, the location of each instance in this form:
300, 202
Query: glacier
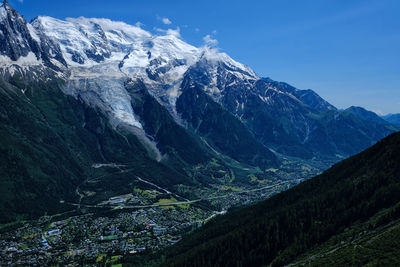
100, 55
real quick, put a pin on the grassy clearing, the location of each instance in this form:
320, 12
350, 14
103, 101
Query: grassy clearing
100, 258
144, 193
164, 201
230, 188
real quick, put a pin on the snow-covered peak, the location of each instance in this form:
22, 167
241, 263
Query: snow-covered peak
7, 12
16, 44
213, 56
163, 56
3, 11
90, 41
117, 32
174, 47
81, 44
101, 54
216, 72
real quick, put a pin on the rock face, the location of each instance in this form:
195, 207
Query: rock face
21, 43
15, 38
96, 58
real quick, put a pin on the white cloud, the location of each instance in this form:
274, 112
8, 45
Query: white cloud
197, 30
176, 32
214, 32
209, 41
139, 24
379, 112
166, 21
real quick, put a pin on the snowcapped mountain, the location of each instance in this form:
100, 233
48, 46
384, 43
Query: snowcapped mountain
98, 57
96, 48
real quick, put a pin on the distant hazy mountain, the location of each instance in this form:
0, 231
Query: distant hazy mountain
365, 115
86, 90
349, 215
392, 118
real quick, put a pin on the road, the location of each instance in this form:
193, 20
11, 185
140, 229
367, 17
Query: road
186, 201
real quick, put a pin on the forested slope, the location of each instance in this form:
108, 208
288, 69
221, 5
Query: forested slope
280, 229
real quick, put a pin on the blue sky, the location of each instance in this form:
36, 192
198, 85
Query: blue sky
347, 51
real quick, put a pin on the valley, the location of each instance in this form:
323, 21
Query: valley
145, 220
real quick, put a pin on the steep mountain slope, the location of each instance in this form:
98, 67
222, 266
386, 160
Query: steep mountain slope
49, 143
290, 121
374, 242
216, 125
173, 139
300, 123
308, 97
364, 189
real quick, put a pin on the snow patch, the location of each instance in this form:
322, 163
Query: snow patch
33, 33
3, 12
28, 60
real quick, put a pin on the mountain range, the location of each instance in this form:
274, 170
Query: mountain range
83, 91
